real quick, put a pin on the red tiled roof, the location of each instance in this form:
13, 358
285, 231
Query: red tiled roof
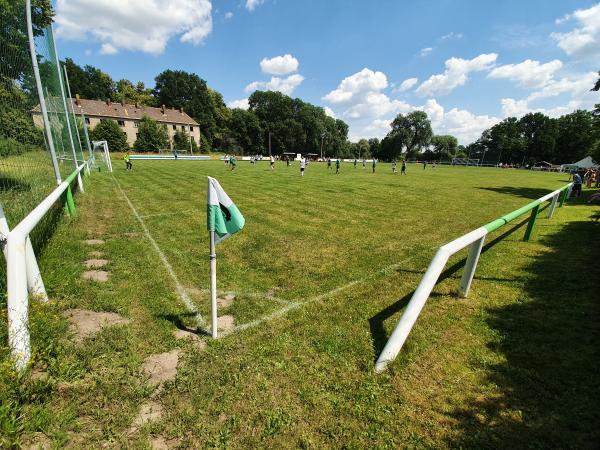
98, 108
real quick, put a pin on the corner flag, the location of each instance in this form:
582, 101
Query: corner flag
223, 217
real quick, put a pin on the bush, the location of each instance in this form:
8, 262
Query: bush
11, 147
110, 131
152, 136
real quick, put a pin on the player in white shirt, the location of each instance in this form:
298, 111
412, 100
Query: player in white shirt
302, 166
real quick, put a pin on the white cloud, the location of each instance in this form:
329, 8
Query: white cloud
528, 73
577, 86
456, 74
329, 112
252, 4
355, 87
241, 103
466, 126
135, 25
108, 49
284, 85
407, 84
425, 51
584, 39
228, 15
452, 35
279, 65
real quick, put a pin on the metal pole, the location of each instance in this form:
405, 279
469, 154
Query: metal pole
64, 100
269, 143
213, 285
87, 136
40, 91
470, 266
73, 111
322, 137
533, 216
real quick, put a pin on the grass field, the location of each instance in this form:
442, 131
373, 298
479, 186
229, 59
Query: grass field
321, 274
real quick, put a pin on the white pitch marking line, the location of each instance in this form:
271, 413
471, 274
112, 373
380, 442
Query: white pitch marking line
145, 216
295, 305
180, 289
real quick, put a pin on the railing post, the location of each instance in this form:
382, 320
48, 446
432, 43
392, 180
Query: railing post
70, 202
564, 197
553, 205
470, 266
530, 225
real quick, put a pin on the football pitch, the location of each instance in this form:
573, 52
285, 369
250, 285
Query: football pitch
320, 276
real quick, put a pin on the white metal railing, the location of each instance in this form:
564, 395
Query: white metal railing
22, 271
475, 239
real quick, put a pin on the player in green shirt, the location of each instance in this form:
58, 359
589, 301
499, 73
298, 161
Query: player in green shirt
337, 165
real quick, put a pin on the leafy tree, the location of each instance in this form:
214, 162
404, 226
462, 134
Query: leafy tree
411, 132
246, 132
576, 136
539, 134
183, 141
90, 82
597, 85
444, 146
503, 142
152, 136
14, 43
110, 131
374, 147
362, 148
127, 92
179, 89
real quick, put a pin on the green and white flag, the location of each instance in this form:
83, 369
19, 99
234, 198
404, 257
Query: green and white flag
223, 217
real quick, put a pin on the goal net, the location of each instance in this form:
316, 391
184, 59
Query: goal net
465, 162
101, 155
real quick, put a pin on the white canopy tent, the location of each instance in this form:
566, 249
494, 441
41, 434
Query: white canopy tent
585, 163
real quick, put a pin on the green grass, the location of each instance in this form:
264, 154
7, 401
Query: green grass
515, 365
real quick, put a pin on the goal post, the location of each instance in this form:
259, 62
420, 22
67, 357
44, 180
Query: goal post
101, 155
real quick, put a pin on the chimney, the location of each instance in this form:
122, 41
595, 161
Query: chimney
108, 101
181, 109
136, 104
163, 109
77, 100
123, 103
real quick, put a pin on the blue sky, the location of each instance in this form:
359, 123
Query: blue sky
468, 64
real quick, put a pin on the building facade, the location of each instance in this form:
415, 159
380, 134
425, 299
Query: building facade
128, 117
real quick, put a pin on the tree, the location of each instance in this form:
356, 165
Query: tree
14, 43
126, 92
187, 91
503, 142
110, 131
411, 132
597, 85
183, 141
576, 136
539, 134
444, 146
245, 131
152, 136
90, 82
363, 148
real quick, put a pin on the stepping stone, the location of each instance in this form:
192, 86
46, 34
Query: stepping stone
149, 412
96, 275
95, 254
84, 323
94, 242
190, 336
161, 367
226, 301
225, 323
95, 263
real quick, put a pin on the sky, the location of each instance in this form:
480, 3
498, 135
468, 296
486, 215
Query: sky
467, 63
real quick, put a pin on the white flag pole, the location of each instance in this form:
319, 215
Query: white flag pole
213, 284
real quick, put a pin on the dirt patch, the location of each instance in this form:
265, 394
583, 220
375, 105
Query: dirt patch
226, 323
84, 323
95, 263
161, 367
191, 337
37, 441
94, 241
131, 234
149, 412
225, 301
100, 276
160, 443
95, 254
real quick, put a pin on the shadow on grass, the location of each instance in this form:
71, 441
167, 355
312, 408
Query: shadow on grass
525, 192
549, 380
376, 323
178, 321
12, 184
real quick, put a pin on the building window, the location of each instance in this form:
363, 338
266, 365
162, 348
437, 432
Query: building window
121, 123
125, 134
174, 127
87, 120
102, 120
136, 124
136, 135
191, 128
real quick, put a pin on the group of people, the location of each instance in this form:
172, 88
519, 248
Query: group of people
588, 177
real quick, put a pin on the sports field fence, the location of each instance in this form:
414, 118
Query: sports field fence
41, 159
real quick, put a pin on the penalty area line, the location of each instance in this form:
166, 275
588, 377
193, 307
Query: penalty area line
178, 286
